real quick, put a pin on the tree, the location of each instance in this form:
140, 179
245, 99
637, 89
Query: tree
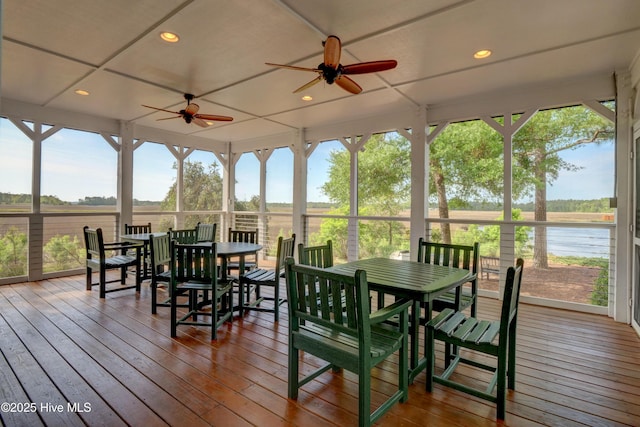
13, 253
202, 191
465, 164
63, 253
537, 147
384, 171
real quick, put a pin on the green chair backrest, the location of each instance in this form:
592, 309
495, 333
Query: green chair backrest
247, 236
316, 256
184, 236
137, 229
206, 232
460, 256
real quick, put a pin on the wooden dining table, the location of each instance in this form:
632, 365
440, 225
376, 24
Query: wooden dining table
417, 281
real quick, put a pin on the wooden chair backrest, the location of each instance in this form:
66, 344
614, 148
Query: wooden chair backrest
206, 232
193, 263
286, 247
459, 256
247, 236
160, 250
309, 290
137, 229
184, 236
316, 256
94, 242
511, 297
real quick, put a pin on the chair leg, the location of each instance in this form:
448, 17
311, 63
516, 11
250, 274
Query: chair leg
431, 357
154, 297
174, 313
89, 278
293, 371
103, 283
214, 314
364, 395
501, 389
511, 357
276, 302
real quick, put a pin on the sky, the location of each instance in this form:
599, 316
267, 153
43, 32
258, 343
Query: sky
67, 153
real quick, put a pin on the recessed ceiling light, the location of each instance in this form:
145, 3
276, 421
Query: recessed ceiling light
81, 92
307, 98
169, 37
484, 53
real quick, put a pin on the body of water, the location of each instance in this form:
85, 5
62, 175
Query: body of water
581, 242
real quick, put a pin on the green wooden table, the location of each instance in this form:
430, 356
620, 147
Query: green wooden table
417, 281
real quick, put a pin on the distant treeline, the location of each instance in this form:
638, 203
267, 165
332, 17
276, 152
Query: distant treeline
570, 205
14, 199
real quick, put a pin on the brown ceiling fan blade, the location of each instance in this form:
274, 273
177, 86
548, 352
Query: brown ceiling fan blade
308, 85
161, 109
349, 85
168, 118
332, 48
369, 67
292, 67
213, 117
200, 122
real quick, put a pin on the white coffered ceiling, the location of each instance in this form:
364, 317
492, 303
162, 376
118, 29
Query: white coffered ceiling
112, 49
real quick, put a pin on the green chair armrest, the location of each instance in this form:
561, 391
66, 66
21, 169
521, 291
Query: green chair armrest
388, 312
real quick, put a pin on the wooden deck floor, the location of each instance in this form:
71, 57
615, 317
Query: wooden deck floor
80, 360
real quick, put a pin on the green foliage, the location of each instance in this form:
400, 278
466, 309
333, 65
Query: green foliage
63, 253
600, 294
384, 168
334, 229
489, 236
13, 253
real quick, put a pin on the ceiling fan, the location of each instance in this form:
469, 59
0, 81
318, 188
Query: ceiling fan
190, 113
333, 72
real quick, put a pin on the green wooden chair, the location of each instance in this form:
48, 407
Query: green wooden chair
460, 256
141, 229
316, 256
185, 236
194, 273
206, 232
137, 229
247, 236
160, 254
252, 282
345, 335
491, 338
103, 256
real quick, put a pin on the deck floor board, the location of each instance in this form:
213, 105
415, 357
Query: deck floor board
61, 344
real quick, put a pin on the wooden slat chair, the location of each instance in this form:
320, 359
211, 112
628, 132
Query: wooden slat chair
247, 236
460, 256
346, 335
206, 232
99, 258
316, 256
140, 229
252, 282
493, 338
184, 236
137, 229
160, 254
194, 273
